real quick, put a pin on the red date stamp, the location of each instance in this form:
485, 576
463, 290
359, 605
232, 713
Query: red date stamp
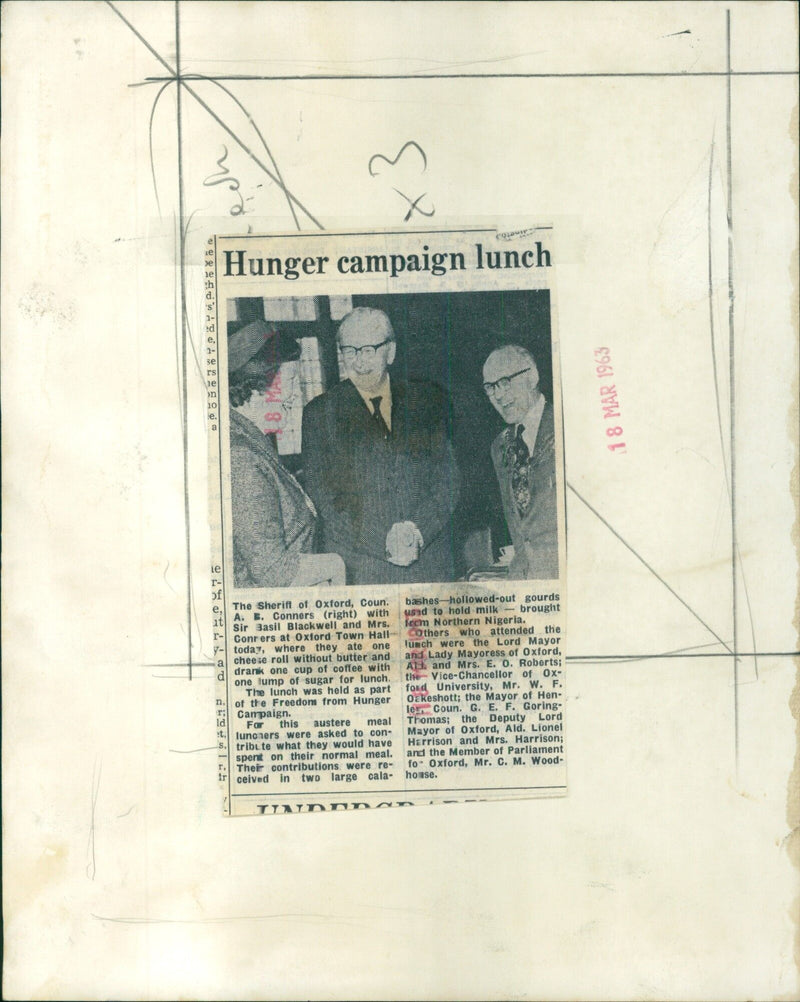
273, 397
609, 400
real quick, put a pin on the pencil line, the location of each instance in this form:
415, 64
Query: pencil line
601, 75
667, 656
649, 567
732, 379
696, 650
179, 664
371, 233
150, 144
144, 42
715, 369
184, 346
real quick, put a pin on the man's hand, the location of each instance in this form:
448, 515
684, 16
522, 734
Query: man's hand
403, 543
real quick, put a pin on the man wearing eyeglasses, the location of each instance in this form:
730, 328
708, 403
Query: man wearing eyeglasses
524, 459
379, 465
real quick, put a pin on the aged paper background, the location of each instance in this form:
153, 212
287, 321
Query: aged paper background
662, 138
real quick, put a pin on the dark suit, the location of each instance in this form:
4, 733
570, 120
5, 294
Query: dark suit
533, 534
363, 481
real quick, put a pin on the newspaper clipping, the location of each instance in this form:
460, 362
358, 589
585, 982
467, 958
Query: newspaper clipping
387, 513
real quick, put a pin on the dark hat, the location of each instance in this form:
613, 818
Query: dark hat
248, 341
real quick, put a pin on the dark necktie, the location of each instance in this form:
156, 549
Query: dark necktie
376, 413
520, 472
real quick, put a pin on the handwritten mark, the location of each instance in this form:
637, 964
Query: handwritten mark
224, 176
412, 161
414, 206
91, 865
166, 582
392, 163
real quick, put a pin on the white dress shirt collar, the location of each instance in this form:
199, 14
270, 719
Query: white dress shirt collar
384, 391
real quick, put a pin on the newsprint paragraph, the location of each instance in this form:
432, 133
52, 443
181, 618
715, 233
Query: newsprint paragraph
387, 510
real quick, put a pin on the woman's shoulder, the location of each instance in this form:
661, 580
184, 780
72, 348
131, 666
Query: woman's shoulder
246, 440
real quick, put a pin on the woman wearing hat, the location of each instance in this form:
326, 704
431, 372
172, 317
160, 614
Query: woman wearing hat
273, 517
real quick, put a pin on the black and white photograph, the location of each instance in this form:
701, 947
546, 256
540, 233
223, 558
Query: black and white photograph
392, 439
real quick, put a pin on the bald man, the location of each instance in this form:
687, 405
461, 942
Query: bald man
524, 460
378, 463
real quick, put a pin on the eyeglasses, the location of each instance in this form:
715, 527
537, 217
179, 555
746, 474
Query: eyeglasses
503, 383
367, 351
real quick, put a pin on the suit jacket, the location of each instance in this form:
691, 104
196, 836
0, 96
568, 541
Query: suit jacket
363, 482
273, 520
534, 534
